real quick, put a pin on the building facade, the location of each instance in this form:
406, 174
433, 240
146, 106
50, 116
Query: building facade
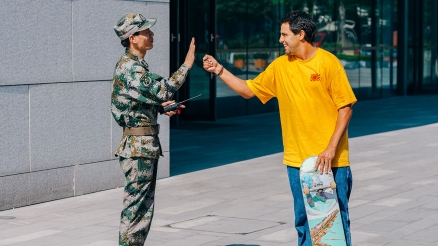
388, 47
57, 133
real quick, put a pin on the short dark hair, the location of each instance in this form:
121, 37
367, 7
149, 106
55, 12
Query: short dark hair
125, 42
299, 20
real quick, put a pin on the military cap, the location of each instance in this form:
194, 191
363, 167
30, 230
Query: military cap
132, 23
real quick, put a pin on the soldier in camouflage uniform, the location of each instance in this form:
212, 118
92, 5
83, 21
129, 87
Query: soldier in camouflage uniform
136, 96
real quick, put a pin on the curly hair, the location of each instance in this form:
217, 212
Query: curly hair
299, 20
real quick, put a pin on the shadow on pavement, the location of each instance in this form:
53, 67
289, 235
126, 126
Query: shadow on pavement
196, 146
383, 115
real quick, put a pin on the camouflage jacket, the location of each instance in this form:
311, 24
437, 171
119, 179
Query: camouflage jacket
135, 98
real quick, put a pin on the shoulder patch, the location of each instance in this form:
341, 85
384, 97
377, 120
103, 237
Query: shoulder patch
145, 79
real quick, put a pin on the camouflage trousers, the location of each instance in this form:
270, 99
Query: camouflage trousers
138, 199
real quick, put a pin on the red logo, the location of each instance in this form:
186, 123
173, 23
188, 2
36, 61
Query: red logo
315, 77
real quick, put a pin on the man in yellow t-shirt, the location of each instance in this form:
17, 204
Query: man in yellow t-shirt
315, 101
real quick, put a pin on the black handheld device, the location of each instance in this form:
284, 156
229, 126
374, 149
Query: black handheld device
173, 106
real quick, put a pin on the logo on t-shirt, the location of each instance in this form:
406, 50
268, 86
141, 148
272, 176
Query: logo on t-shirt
315, 77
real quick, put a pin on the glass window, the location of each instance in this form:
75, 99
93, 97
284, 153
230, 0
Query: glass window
430, 49
231, 41
366, 50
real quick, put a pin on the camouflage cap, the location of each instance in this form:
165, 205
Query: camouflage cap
132, 23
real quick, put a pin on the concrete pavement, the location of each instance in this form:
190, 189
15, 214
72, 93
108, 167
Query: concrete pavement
249, 203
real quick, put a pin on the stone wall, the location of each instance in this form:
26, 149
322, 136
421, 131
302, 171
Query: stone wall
57, 135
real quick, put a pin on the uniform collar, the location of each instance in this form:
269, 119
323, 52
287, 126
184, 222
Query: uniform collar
134, 56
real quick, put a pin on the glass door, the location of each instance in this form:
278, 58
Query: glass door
429, 33
422, 47
194, 18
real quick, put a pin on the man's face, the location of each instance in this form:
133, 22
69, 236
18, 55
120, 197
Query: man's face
289, 40
145, 40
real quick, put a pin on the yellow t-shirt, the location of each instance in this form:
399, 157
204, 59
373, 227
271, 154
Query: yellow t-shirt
309, 94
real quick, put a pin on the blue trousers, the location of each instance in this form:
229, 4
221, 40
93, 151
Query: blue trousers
344, 183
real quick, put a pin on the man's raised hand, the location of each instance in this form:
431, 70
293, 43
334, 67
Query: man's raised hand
190, 57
